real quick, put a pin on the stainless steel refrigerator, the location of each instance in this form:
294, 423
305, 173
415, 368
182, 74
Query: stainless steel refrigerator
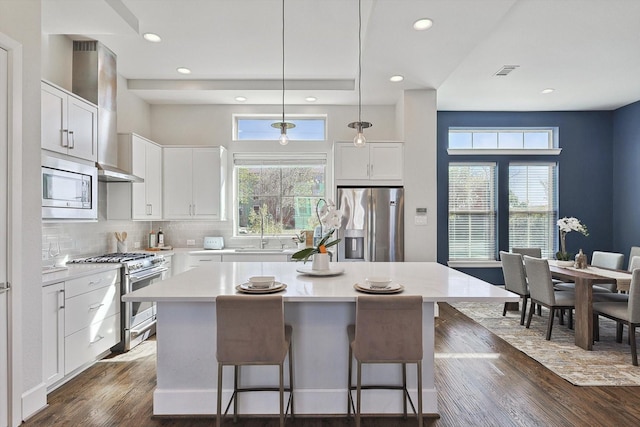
372, 224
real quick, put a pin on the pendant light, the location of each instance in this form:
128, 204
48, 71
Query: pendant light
359, 140
283, 126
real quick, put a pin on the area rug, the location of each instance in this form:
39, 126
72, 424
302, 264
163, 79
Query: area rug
609, 364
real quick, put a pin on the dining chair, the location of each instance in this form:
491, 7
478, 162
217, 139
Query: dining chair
543, 293
624, 313
251, 331
515, 279
634, 252
533, 252
601, 259
388, 329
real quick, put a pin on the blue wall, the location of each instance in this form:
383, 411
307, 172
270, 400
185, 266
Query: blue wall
626, 176
585, 173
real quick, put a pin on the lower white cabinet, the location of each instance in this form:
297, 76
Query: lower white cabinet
81, 321
255, 257
53, 333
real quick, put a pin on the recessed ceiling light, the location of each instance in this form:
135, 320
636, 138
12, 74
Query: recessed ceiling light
240, 98
183, 70
151, 37
548, 90
311, 99
422, 24
396, 78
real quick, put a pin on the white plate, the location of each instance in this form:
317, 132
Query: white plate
391, 289
330, 272
246, 287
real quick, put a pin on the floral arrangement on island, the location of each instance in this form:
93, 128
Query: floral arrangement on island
567, 225
329, 218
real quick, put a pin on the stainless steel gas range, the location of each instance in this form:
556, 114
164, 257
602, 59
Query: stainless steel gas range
138, 270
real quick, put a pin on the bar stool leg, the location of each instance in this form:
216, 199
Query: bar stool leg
219, 413
349, 396
419, 368
291, 377
236, 374
404, 390
281, 372
358, 390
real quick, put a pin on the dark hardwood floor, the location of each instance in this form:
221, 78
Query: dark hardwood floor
481, 380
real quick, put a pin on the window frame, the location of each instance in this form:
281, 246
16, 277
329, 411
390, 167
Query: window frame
277, 117
552, 149
262, 159
495, 211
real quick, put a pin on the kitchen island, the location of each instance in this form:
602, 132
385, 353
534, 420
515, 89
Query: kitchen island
319, 308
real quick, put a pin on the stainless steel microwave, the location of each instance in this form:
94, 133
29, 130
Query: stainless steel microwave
69, 189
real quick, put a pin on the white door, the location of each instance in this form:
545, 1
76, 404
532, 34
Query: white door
4, 194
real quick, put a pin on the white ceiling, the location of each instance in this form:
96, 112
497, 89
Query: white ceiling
587, 50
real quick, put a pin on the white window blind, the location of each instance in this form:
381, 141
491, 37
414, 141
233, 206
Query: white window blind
533, 206
472, 211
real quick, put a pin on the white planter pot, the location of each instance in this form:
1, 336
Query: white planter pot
320, 262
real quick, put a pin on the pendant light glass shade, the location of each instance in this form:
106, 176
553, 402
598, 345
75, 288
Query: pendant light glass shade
359, 140
283, 126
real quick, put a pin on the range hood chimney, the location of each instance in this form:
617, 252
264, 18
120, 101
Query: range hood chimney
95, 79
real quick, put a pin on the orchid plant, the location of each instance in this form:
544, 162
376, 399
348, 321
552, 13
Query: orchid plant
566, 225
330, 219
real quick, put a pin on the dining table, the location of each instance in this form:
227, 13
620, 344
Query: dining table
584, 280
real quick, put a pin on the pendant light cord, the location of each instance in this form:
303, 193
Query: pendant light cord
359, 61
283, 64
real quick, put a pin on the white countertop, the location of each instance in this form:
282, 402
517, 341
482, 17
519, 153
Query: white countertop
435, 282
75, 271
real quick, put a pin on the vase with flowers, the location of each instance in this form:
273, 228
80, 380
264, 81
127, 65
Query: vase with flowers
329, 218
567, 225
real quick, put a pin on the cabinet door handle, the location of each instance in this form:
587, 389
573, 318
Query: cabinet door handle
370, 171
95, 306
97, 282
61, 298
73, 140
150, 209
98, 338
65, 138
194, 210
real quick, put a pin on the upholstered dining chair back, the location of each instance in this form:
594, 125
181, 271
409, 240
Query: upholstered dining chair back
634, 297
388, 328
634, 252
250, 329
607, 260
634, 263
534, 252
515, 278
539, 278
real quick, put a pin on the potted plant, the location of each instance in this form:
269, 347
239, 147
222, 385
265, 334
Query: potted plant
329, 218
567, 225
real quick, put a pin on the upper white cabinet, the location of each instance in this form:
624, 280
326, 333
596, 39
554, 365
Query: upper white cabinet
69, 123
195, 182
382, 162
143, 158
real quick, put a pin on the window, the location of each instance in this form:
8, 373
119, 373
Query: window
472, 211
258, 128
533, 206
502, 139
277, 194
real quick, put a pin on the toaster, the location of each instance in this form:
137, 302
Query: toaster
213, 242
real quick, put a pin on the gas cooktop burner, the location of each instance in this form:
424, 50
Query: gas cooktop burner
115, 257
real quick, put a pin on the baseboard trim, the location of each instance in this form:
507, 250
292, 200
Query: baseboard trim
34, 400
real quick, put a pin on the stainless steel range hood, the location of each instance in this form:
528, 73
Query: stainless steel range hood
95, 79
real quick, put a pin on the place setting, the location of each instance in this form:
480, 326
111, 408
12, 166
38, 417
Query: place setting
261, 285
379, 285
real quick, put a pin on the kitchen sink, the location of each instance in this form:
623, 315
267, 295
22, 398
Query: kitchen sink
261, 251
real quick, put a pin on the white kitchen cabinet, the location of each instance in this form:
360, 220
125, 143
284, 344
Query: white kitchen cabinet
195, 182
375, 163
53, 333
92, 318
142, 158
80, 322
194, 261
69, 124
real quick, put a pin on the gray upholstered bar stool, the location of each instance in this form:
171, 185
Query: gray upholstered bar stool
388, 329
251, 331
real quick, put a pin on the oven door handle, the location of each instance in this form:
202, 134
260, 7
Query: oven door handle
158, 272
